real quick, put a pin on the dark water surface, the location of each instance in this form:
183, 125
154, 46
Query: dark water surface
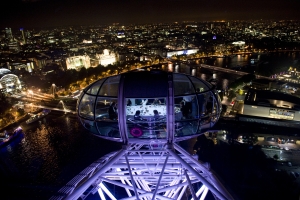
52, 152
266, 64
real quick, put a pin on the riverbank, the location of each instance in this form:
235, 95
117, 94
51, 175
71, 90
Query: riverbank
16, 122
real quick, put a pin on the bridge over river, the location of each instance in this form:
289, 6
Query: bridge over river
227, 70
63, 108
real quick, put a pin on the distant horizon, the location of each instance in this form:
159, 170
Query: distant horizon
57, 13
141, 23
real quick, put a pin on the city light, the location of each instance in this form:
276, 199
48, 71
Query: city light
226, 51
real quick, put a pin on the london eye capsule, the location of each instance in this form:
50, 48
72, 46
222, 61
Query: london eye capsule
141, 106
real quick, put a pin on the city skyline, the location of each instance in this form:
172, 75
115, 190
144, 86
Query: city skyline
46, 13
221, 52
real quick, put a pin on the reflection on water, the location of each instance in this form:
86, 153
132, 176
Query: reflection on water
53, 151
265, 64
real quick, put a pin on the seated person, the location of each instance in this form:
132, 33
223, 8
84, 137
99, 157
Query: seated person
112, 111
156, 115
178, 114
137, 116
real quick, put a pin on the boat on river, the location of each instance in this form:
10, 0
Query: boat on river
36, 117
6, 137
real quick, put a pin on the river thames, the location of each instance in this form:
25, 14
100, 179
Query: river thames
53, 151
57, 147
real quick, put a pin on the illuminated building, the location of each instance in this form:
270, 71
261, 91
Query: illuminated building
87, 41
13, 46
23, 36
150, 165
8, 34
121, 34
77, 62
106, 58
239, 43
272, 108
9, 83
182, 52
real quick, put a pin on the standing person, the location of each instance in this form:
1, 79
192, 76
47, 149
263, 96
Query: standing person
201, 102
156, 102
188, 103
209, 105
194, 107
184, 110
112, 111
157, 118
129, 103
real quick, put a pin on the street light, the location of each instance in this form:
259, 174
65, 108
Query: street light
30, 93
53, 89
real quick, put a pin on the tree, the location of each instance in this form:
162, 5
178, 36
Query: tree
82, 73
9, 116
4, 103
20, 112
231, 95
35, 81
244, 79
51, 66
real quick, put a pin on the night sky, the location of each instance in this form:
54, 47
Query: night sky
49, 13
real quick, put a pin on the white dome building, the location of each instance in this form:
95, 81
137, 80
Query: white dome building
8, 81
106, 58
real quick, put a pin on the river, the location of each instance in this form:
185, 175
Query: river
53, 151
266, 64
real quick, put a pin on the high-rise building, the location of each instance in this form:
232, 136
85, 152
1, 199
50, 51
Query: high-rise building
23, 36
8, 33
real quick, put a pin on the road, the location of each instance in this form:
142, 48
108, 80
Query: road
34, 102
285, 155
